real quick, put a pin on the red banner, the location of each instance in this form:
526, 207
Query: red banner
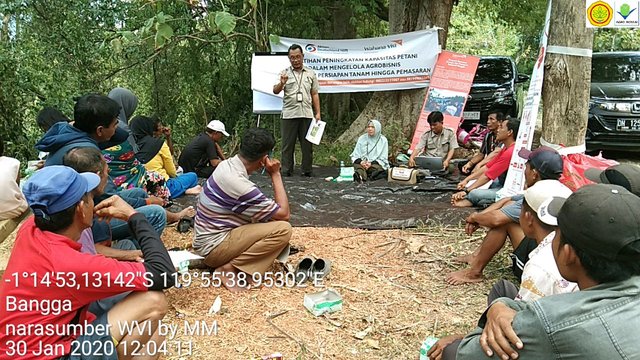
448, 91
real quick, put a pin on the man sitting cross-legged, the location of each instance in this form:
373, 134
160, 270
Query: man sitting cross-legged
233, 230
502, 220
63, 282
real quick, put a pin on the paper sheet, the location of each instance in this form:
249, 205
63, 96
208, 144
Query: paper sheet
182, 255
314, 134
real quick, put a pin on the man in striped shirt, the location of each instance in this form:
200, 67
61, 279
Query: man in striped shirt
238, 229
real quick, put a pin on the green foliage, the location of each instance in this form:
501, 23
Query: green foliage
225, 22
616, 40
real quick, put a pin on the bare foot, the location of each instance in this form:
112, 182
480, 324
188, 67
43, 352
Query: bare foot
465, 259
187, 212
465, 276
194, 190
229, 278
462, 203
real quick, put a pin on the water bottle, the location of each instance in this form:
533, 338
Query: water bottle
341, 165
426, 346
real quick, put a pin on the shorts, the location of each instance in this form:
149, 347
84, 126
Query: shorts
520, 256
96, 345
513, 210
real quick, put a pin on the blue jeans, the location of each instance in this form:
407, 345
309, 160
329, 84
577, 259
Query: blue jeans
178, 185
155, 214
484, 197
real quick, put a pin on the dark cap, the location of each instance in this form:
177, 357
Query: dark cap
544, 159
625, 175
600, 219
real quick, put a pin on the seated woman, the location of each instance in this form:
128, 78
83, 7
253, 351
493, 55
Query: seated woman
371, 154
156, 156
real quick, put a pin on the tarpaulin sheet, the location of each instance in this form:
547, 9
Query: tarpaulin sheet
372, 205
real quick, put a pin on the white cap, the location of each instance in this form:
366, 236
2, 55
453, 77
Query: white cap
541, 194
217, 125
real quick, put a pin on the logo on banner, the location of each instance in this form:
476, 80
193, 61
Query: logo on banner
600, 13
310, 48
399, 42
626, 13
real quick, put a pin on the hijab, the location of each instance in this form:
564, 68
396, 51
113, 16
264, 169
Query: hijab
128, 103
142, 128
372, 148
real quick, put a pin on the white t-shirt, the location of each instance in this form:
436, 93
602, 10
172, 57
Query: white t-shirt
540, 276
12, 202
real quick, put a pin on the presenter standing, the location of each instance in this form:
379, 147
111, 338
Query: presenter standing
301, 104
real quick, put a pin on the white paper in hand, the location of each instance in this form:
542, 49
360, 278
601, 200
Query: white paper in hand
314, 134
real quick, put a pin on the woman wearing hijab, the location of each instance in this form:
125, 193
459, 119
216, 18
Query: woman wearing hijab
156, 156
125, 170
370, 156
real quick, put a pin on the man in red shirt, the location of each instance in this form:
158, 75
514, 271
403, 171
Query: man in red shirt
49, 284
495, 170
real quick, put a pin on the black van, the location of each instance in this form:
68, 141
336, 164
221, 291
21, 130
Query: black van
494, 86
614, 107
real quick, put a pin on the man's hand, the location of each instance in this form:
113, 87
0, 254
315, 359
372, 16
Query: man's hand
134, 255
498, 335
154, 200
445, 164
283, 78
114, 207
467, 167
166, 131
272, 166
460, 195
365, 165
412, 162
435, 353
471, 225
462, 184
317, 117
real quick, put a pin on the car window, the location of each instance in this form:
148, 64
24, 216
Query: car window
491, 71
619, 68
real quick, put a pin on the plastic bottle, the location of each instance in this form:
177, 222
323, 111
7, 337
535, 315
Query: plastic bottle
426, 346
341, 165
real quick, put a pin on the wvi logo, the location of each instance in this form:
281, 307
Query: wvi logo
625, 10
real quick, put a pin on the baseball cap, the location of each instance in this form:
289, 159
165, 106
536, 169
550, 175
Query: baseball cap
56, 188
217, 125
540, 195
544, 159
625, 175
601, 219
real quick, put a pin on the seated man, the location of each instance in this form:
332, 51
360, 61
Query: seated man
46, 247
489, 148
203, 153
90, 160
12, 202
541, 276
233, 230
96, 125
495, 170
438, 141
502, 219
597, 245
625, 175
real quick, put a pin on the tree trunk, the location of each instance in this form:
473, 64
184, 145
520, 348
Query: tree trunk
567, 78
398, 110
341, 28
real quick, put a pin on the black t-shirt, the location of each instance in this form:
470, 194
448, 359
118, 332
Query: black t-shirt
198, 153
489, 143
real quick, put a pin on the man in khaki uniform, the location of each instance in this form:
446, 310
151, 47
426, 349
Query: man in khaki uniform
436, 142
300, 105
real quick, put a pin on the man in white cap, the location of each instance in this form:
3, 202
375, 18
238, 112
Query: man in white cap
203, 153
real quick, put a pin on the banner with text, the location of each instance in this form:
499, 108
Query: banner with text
395, 62
514, 183
448, 91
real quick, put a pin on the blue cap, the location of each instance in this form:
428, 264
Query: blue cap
56, 188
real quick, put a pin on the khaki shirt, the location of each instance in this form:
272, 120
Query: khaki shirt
437, 145
305, 83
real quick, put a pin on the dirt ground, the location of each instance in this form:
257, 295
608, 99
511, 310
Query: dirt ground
392, 284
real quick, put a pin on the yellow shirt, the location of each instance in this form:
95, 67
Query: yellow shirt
162, 163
